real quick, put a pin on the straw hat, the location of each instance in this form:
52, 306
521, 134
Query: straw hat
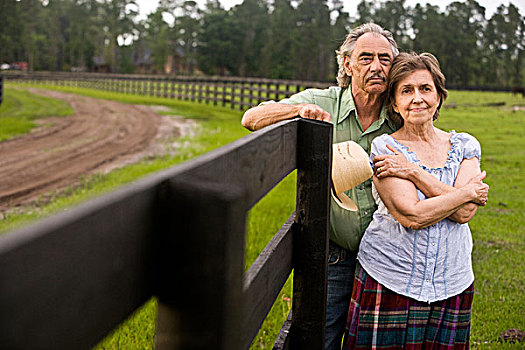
350, 167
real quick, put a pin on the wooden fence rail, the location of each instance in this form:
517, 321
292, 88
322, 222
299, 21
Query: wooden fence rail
70, 279
234, 92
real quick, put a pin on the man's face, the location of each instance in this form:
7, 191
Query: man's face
370, 63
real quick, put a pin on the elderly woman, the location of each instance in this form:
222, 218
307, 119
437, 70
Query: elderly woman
413, 284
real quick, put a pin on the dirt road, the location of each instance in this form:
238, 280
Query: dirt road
100, 135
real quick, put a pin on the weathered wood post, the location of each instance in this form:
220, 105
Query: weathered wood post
70, 278
232, 94
200, 266
224, 85
314, 157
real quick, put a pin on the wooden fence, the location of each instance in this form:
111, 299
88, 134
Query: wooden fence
70, 279
234, 92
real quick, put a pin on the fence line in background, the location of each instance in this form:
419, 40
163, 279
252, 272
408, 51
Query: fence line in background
233, 92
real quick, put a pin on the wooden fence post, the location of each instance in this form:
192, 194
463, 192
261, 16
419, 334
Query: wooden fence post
215, 92
241, 98
223, 92
200, 266
187, 89
199, 91
259, 92
314, 157
232, 94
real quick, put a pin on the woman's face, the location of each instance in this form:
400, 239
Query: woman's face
416, 97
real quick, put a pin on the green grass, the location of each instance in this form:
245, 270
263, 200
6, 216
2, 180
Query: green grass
265, 219
217, 127
497, 228
20, 109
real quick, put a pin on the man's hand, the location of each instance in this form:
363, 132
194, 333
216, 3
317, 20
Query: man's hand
311, 111
393, 165
267, 114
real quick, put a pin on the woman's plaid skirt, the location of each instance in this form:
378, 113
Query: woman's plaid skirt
381, 319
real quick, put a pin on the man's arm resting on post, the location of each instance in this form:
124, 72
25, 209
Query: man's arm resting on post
398, 166
264, 115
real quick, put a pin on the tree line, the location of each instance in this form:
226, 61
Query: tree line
282, 39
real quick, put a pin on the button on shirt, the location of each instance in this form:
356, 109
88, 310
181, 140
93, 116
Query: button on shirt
346, 227
430, 264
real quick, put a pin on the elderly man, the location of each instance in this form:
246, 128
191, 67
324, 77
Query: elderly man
356, 110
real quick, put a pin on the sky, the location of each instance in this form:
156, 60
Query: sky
147, 6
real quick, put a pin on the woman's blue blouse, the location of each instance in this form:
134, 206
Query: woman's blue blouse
430, 264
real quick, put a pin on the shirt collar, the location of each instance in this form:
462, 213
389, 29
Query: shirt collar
383, 116
348, 105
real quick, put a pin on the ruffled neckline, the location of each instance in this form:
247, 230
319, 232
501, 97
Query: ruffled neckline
412, 157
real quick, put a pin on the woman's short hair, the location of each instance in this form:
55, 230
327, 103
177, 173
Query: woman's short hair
346, 49
405, 64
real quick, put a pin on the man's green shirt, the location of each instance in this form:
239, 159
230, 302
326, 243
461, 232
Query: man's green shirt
347, 227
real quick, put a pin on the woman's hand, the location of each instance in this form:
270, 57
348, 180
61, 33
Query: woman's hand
477, 190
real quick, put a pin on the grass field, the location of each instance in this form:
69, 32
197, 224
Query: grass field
20, 109
498, 228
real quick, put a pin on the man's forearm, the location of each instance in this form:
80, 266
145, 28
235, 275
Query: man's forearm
261, 116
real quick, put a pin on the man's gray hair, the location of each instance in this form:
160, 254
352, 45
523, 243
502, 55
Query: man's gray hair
346, 49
